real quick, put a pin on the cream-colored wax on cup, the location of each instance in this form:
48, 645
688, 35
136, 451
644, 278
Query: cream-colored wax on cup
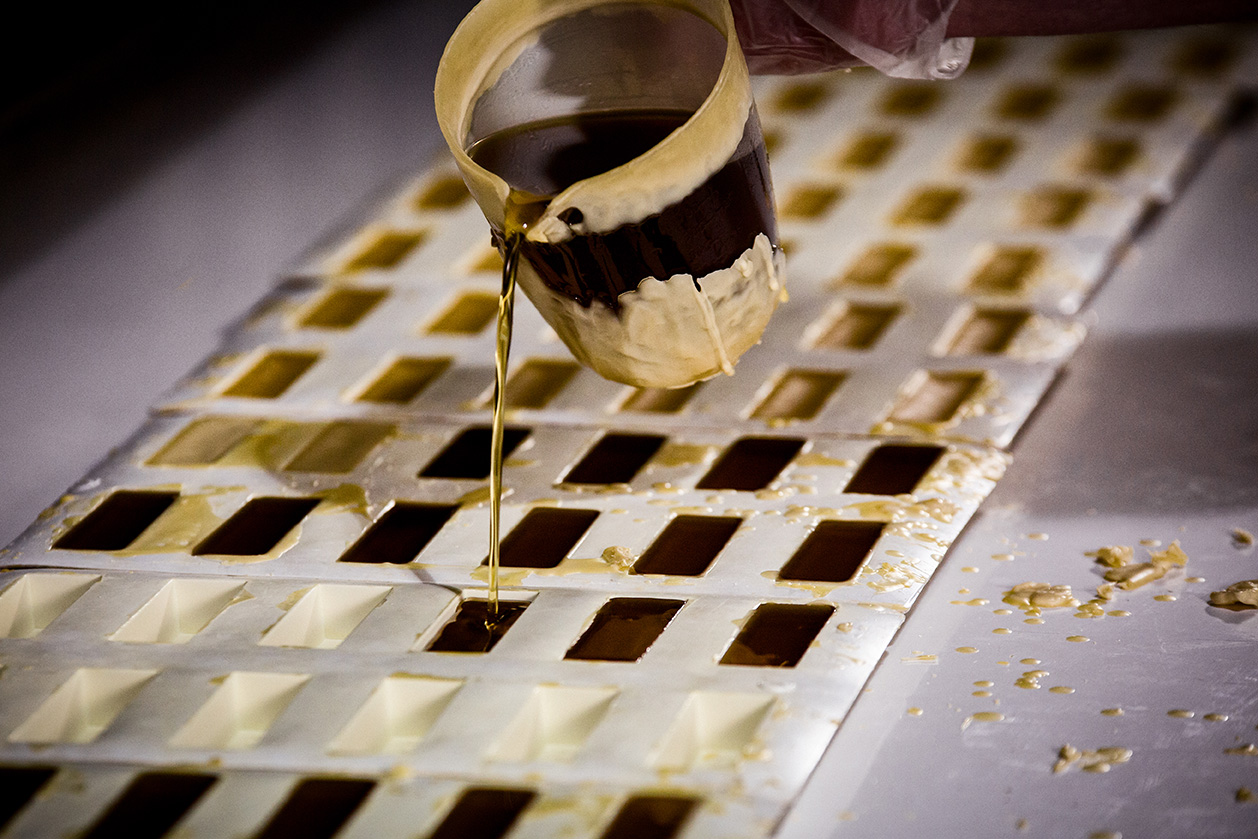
505, 66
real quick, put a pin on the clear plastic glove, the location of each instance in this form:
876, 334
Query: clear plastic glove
902, 38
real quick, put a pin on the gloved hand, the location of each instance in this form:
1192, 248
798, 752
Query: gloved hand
902, 38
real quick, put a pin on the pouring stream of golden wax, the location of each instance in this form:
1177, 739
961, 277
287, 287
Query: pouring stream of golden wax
522, 210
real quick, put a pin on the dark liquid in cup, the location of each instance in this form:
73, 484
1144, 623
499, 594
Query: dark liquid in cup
705, 231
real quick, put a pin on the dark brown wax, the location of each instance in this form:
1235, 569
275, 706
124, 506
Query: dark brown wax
703, 232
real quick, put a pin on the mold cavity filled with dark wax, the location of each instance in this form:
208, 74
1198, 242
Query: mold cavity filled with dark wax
705, 231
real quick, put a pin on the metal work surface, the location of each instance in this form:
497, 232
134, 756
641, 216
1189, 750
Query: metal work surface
263, 586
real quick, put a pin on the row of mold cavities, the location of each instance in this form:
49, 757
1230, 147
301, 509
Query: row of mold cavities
157, 520
688, 545
621, 629
705, 729
793, 393
1104, 155
1053, 207
999, 269
749, 463
1050, 207
154, 804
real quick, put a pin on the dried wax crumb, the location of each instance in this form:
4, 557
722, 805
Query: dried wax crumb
1090, 760
1035, 596
619, 557
1237, 596
1114, 556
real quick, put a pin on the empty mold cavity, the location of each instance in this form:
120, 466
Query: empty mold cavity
930, 205
467, 455
403, 380
651, 817
18, 785
1141, 103
987, 154
688, 545
470, 313
256, 528
470, 629
911, 100
343, 308
798, 395
893, 469
659, 400
545, 537
1027, 103
987, 331
751, 463
1206, 56
151, 805
537, 381
809, 201
868, 151
1006, 270
396, 717
800, 96
82, 707
554, 724
777, 634
483, 813
444, 192
180, 610
400, 534
325, 616
386, 250
1089, 56
35, 600
936, 397
879, 265
1108, 156
339, 447
240, 711
833, 552
203, 441
624, 629
712, 730
1055, 207
857, 327
272, 374
117, 521
615, 459
317, 808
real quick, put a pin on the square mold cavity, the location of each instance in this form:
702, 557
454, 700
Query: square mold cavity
325, 616
554, 724
713, 730
83, 707
397, 716
317, 808
240, 711
35, 600
180, 610
151, 805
